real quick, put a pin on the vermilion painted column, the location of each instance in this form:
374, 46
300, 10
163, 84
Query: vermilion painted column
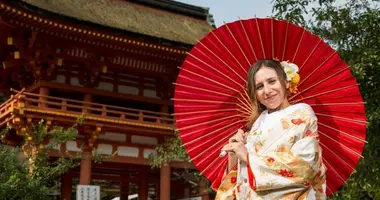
124, 190
67, 184
85, 167
43, 91
143, 185
165, 183
203, 190
87, 98
164, 109
124, 185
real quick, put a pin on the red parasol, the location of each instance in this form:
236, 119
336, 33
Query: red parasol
211, 101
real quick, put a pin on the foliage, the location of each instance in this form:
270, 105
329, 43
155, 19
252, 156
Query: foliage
351, 27
28, 172
15, 182
170, 150
173, 150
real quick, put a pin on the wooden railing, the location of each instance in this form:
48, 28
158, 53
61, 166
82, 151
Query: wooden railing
48, 103
5, 107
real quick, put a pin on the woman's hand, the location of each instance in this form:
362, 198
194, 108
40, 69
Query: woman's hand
238, 148
240, 136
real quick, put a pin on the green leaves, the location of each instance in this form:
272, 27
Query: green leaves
292, 10
170, 150
17, 181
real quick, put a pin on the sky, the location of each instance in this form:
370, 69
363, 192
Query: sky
231, 10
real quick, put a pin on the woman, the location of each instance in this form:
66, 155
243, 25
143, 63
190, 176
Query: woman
280, 157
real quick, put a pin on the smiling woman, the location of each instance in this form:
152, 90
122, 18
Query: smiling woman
280, 156
268, 83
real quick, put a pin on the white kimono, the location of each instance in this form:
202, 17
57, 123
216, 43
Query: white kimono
284, 159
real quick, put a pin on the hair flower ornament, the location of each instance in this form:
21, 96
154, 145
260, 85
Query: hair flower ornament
291, 71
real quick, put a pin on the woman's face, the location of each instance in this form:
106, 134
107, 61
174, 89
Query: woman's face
269, 90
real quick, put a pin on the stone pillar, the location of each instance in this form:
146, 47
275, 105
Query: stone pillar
43, 91
165, 182
144, 184
85, 167
67, 184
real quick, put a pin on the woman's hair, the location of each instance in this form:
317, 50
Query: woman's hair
257, 106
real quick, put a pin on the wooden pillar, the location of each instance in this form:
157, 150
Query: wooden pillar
156, 189
124, 190
164, 109
144, 184
165, 182
43, 91
67, 184
203, 190
178, 188
87, 98
141, 86
85, 167
124, 185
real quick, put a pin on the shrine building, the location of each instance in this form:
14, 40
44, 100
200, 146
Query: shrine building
114, 61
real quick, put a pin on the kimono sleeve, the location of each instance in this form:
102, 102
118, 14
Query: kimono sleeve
295, 167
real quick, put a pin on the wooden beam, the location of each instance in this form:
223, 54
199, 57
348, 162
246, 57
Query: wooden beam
32, 39
12, 63
15, 39
34, 88
144, 131
116, 178
129, 144
182, 165
120, 166
130, 163
115, 159
65, 43
104, 93
90, 33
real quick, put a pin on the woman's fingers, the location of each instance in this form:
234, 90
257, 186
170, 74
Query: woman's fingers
245, 134
240, 136
238, 148
232, 146
229, 147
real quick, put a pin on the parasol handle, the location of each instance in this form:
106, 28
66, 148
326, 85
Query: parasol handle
224, 153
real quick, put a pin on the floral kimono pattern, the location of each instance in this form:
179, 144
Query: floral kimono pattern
284, 159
